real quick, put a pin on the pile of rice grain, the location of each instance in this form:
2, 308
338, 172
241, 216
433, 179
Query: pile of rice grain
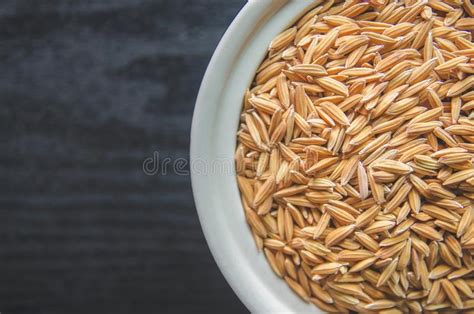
354, 156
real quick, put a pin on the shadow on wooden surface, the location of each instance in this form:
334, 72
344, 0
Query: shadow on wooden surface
89, 89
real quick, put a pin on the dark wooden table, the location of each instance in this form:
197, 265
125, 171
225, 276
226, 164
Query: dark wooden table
88, 90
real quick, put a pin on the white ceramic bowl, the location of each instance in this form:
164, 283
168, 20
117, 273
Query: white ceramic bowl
213, 141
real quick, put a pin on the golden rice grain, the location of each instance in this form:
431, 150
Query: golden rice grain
335, 112
326, 269
388, 272
427, 231
363, 264
340, 215
338, 235
439, 213
379, 226
380, 305
459, 176
297, 288
333, 85
309, 69
393, 166
440, 271
452, 293
463, 287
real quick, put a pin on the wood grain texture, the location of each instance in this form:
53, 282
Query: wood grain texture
88, 90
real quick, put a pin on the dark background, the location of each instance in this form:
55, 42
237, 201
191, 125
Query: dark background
88, 90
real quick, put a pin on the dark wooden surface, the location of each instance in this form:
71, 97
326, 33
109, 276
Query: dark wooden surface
88, 90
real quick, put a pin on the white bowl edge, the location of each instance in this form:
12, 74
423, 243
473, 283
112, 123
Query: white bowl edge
213, 141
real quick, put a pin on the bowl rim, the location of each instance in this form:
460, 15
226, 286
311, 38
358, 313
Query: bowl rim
234, 62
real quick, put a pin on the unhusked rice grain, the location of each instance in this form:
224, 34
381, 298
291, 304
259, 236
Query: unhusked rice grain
354, 156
